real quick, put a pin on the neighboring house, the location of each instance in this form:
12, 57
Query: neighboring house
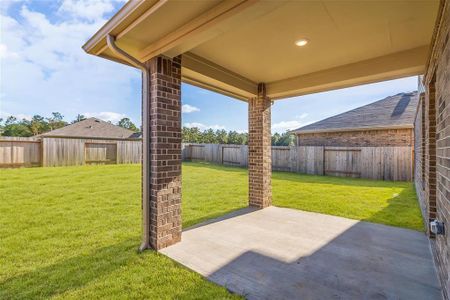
91, 141
91, 128
387, 122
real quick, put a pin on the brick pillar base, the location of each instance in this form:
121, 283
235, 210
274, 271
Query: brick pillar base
259, 150
165, 151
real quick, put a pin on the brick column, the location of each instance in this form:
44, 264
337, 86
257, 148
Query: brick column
259, 150
164, 127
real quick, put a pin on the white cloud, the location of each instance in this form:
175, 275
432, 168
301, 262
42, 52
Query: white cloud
203, 126
106, 116
23, 116
4, 53
86, 9
186, 108
284, 126
59, 75
5, 115
302, 116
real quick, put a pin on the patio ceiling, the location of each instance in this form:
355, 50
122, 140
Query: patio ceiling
230, 46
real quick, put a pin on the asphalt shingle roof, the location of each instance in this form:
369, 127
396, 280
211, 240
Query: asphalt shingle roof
91, 128
396, 111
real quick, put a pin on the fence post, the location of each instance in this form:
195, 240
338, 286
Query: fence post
41, 155
12, 153
323, 161
290, 159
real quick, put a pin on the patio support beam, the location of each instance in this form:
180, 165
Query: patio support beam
164, 127
259, 149
216, 78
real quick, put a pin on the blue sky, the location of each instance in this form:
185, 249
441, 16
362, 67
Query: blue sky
43, 69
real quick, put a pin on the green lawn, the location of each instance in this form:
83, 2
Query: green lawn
73, 232
385, 202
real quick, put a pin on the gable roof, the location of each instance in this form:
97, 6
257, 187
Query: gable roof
91, 128
396, 111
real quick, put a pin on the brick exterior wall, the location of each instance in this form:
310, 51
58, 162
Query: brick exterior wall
366, 138
165, 149
433, 170
442, 111
259, 150
419, 157
430, 150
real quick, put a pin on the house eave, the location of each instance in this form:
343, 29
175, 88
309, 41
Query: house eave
129, 14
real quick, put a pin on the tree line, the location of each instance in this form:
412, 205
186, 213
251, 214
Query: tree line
210, 136
39, 125
12, 126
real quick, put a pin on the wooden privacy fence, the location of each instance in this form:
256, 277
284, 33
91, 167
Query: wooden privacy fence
385, 163
18, 152
52, 151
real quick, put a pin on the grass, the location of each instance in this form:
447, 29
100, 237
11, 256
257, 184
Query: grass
385, 202
73, 232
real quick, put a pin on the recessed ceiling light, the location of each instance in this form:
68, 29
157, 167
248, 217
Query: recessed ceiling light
301, 42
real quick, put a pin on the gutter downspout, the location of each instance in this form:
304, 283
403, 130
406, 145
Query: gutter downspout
145, 171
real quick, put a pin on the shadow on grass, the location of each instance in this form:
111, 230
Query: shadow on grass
68, 274
400, 212
200, 222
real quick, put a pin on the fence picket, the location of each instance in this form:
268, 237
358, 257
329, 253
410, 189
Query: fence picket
388, 163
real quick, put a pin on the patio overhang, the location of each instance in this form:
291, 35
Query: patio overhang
250, 50
231, 46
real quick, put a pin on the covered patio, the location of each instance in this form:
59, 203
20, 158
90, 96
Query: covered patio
261, 52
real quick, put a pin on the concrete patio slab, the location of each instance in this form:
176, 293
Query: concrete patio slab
280, 253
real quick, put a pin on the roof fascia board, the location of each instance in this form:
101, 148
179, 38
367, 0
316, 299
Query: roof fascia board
401, 64
126, 18
150, 11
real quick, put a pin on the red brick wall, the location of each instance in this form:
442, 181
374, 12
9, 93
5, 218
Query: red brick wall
430, 150
436, 180
367, 138
165, 137
419, 157
259, 150
442, 111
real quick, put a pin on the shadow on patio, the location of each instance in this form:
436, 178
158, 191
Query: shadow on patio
280, 253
